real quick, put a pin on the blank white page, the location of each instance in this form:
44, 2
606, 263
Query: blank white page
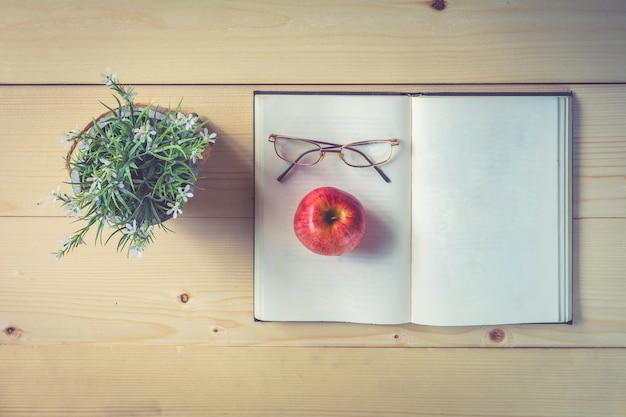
490, 210
370, 284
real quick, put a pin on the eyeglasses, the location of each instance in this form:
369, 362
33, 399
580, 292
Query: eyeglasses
305, 152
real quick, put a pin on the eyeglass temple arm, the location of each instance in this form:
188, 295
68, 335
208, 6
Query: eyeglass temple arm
292, 164
281, 176
382, 174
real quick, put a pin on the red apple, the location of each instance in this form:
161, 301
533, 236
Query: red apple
329, 221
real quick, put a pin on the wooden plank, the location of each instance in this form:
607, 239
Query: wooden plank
31, 163
92, 381
98, 296
102, 335
281, 41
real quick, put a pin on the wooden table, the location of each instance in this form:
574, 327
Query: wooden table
172, 334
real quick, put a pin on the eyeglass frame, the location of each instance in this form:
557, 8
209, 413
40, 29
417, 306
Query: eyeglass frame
325, 147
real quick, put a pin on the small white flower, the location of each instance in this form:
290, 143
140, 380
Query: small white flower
83, 145
190, 122
186, 122
136, 251
144, 133
66, 143
174, 210
70, 137
111, 219
177, 120
65, 241
124, 114
130, 229
195, 154
184, 194
110, 172
144, 232
55, 193
204, 135
129, 93
109, 79
72, 209
96, 183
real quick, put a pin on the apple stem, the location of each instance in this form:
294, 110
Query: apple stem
330, 217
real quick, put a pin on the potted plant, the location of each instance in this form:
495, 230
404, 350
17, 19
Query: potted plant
131, 169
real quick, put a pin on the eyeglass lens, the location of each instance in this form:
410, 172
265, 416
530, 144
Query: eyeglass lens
366, 154
297, 151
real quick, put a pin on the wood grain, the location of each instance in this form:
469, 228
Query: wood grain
57, 380
98, 296
320, 42
209, 257
172, 334
31, 163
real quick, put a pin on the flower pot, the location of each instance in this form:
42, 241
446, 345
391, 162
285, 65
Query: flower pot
155, 113
131, 169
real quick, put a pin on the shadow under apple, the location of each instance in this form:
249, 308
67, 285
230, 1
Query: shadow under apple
377, 238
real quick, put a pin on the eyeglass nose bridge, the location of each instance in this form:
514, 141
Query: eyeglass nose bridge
339, 152
323, 152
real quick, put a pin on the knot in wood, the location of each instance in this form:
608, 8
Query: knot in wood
497, 335
438, 5
13, 332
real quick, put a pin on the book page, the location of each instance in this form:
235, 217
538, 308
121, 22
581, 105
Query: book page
489, 210
370, 284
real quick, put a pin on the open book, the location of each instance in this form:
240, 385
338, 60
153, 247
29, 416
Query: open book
473, 229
